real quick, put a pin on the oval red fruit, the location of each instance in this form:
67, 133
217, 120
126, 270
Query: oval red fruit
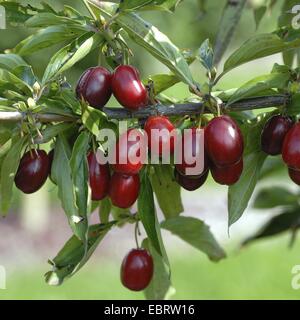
159, 129
94, 86
291, 147
33, 171
193, 150
274, 133
99, 177
227, 175
128, 88
223, 141
137, 269
124, 190
294, 175
130, 152
190, 183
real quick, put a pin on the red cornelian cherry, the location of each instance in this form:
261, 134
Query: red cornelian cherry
291, 147
130, 152
274, 133
190, 183
159, 129
294, 175
33, 171
99, 177
227, 175
124, 190
223, 141
94, 86
191, 150
128, 88
137, 269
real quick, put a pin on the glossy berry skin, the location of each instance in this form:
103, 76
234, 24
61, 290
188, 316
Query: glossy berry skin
190, 183
227, 175
274, 133
94, 86
124, 190
99, 177
190, 150
33, 171
291, 147
294, 175
128, 88
137, 269
223, 141
130, 152
165, 141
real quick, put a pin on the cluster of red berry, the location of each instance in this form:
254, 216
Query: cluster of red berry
281, 136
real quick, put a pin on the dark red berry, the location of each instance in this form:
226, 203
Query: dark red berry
227, 175
291, 147
128, 88
33, 171
190, 183
193, 148
137, 270
274, 133
94, 86
223, 141
294, 175
124, 190
99, 177
130, 152
162, 137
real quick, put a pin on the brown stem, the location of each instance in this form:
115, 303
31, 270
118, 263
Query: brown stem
184, 109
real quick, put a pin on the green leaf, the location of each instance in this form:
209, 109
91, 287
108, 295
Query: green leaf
134, 4
79, 172
285, 221
26, 74
46, 19
147, 214
206, 55
9, 79
162, 82
11, 61
275, 196
62, 175
104, 210
259, 84
294, 107
259, 14
8, 171
197, 234
74, 255
259, 46
229, 22
93, 119
150, 38
52, 131
47, 37
71, 54
272, 166
167, 191
240, 193
160, 286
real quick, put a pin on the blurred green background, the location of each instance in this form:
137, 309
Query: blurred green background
36, 228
